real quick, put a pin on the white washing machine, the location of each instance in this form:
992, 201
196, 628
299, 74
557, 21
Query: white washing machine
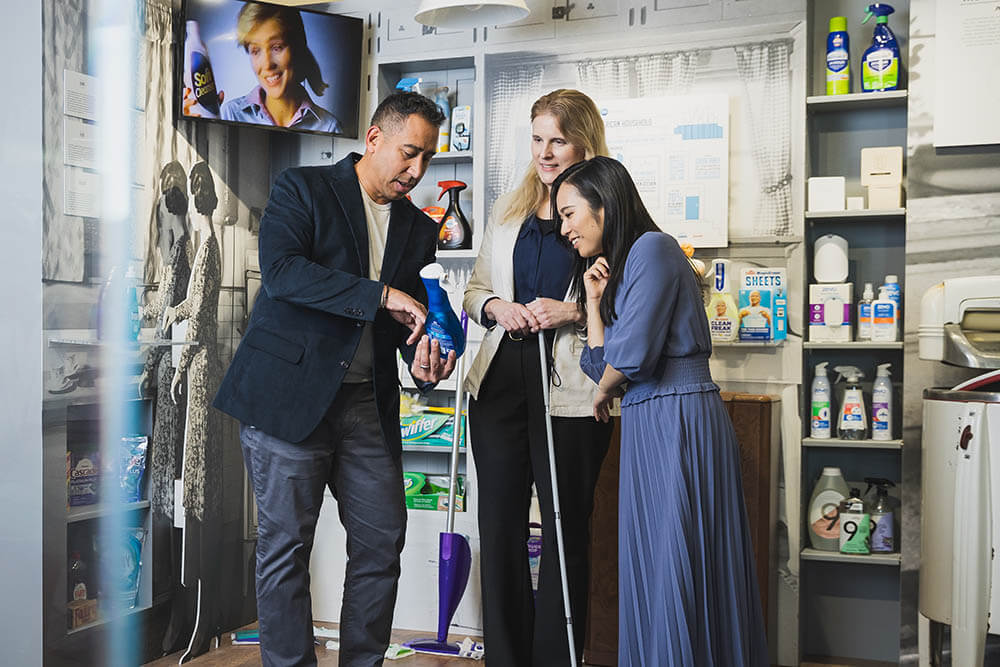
960, 517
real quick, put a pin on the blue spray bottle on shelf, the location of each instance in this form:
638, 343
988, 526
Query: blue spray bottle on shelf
442, 324
880, 62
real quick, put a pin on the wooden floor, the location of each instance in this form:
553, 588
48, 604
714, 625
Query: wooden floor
228, 655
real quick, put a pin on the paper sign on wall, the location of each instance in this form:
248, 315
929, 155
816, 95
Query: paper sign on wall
677, 151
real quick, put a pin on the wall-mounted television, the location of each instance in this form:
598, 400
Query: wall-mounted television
267, 65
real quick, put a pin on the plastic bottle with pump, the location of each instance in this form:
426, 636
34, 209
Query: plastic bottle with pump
824, 510
442, 324
454, 233
865, 313
852, 423
885, 317
444, 133
198, 74
883, 530
820, 423
723, 318
882, 404
880, 62
838, 69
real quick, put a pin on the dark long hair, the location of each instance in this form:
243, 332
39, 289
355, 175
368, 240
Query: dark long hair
605, 184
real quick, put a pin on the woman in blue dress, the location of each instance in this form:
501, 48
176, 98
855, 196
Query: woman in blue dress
687, 586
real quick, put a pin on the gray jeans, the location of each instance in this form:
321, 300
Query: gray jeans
347, 453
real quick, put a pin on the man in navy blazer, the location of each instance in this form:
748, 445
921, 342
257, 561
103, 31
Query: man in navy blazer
314, 380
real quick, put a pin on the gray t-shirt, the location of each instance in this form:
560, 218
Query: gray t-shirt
377, 217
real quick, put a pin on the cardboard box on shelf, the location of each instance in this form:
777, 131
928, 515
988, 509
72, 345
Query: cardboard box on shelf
882, 165
434, 495
827, 193
830, 308
81, 612
882, 197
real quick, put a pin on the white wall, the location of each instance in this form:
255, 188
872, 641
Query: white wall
20, 333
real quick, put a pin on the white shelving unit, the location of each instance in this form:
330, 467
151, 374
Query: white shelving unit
852, 444
893, 560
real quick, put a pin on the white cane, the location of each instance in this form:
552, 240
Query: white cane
555, 497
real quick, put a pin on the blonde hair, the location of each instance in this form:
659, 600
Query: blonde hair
304, 63
580, 122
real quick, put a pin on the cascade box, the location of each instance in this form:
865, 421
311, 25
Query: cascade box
430, 492
431, 429
81, 612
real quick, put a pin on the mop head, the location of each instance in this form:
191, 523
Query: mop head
467, 648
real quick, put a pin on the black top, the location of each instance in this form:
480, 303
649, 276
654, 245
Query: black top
542, 263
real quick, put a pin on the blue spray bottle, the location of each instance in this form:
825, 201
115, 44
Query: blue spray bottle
442, 324
880, 62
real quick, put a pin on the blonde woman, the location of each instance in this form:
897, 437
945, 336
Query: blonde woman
519, 290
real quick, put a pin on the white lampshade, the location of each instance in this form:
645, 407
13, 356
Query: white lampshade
461, 15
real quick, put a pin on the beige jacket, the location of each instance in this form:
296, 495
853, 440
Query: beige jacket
494, 277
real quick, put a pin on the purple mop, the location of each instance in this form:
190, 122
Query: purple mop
454, 554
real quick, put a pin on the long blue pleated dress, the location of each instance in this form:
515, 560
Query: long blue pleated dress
687, 588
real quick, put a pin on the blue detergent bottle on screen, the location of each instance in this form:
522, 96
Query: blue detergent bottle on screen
442, 324
880, 62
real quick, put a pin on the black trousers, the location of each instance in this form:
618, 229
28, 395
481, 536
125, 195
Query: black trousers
347, 453
507, 425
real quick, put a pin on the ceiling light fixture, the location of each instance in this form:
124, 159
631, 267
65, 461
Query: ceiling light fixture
462, 15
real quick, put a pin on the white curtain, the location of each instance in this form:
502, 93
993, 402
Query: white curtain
608, 78
666, 73
764, 69
509, 102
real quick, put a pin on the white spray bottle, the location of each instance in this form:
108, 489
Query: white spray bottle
882, 404
852, 423
820, 423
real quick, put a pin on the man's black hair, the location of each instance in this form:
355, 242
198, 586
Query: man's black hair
393, 111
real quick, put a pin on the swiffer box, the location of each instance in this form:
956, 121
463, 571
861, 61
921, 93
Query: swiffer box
430, 429
430, 492
763, 304
830, 312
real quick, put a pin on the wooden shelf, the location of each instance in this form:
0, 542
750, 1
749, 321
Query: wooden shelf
854, 345
89, 626
892, 560
855, 101
852, 444
85, 512
857, 215
431, 448
451, 157
457, 254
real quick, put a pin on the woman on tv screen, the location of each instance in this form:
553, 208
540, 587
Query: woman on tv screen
275, 39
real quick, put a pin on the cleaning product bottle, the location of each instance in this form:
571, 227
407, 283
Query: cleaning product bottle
454, 232
865, 313
883, 528
444, 132
882, 404
880, 62
442, 325
820, 424
824, 510
198, 74
852, 424
894, 291
132, 304
838, 70
723, 318
885, 317
855, 525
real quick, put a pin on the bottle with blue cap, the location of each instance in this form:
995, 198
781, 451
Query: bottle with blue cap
880, 62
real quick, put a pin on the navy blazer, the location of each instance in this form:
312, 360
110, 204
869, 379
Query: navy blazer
315, 300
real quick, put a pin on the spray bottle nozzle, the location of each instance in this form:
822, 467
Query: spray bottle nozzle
883, 370
849, 373
879, 9
880, 483
445, 186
